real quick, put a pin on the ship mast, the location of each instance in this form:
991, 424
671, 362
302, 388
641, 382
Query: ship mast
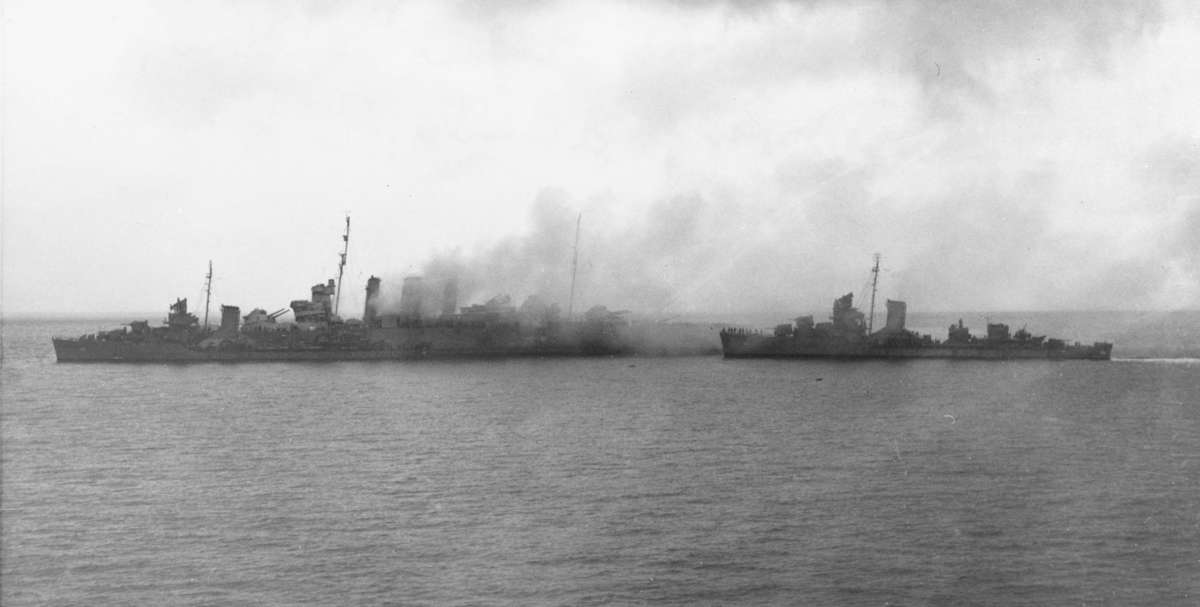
207, 292
337, 298
574, 269
874, 283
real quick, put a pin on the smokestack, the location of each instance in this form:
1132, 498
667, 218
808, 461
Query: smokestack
896, 311
450, 297
230, 318
372, 295
411, 297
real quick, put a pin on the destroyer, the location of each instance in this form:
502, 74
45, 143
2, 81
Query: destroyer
850, 334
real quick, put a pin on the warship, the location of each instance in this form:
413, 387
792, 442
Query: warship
494, 329
850, 334
426, 324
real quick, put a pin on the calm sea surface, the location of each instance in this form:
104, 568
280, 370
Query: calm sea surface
663, 481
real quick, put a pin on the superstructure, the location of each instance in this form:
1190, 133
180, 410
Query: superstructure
849, 334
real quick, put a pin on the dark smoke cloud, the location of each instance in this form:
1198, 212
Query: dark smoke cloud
638, 265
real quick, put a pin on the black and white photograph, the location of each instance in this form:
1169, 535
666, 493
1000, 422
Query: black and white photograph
612, 302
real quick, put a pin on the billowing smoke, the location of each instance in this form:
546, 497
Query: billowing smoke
987, 245
643, 264
989, 152
727, 156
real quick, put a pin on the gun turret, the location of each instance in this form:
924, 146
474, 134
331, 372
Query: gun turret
277, 313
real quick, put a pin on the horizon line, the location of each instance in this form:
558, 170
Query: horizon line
110, 316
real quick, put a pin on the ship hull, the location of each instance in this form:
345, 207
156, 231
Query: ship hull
763, 346
97, 351
435, 341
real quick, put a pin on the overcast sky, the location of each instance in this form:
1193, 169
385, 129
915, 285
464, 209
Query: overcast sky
726, 157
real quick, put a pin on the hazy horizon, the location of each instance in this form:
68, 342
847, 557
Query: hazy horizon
726, 157
748, 316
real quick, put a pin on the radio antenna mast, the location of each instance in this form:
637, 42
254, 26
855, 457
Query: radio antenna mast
337, 298
574, 269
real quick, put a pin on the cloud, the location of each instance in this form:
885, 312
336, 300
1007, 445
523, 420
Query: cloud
731, 156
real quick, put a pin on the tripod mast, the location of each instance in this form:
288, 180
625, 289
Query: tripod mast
207, 292
342, 265
874, 283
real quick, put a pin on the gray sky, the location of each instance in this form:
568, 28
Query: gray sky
726, 157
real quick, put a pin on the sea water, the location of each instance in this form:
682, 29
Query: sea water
663, 481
